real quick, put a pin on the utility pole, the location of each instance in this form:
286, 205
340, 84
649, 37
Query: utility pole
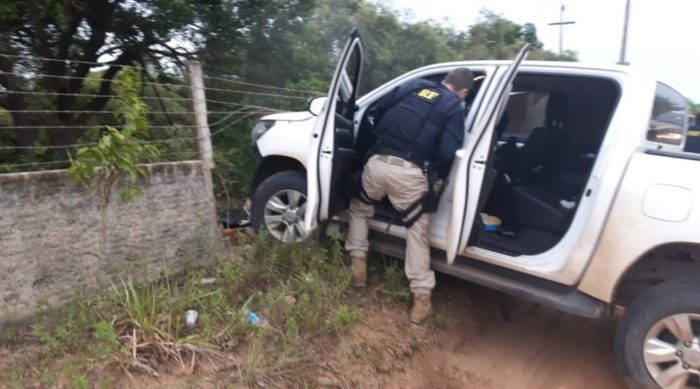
623, 50
561, 25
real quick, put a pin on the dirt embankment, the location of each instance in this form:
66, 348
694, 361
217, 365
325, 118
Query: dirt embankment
481, 339
478, 339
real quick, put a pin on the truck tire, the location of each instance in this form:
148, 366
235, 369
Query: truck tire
279, 203
656, 342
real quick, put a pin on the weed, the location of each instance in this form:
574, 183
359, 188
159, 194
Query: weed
14, 378
72, 330
395, 283
435, 322
80, 382
343, 317
10, 330
48, 378
298, 290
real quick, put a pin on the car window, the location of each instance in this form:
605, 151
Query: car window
349, 79
669, 117
525, 111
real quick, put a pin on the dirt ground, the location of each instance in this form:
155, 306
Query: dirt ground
484, 339
478, 339
487, 340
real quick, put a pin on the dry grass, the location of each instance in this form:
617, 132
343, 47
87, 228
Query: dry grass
300, 292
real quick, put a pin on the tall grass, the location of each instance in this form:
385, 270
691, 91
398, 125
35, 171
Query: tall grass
299, 291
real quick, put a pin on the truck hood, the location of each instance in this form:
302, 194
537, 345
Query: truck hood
289, 116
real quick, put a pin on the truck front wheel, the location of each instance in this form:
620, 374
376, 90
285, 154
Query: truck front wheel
279, 204
657, 341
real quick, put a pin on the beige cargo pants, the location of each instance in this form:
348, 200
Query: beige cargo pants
404, 183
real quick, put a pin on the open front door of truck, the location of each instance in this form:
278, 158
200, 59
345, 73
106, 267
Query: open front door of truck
324, 152
470, 161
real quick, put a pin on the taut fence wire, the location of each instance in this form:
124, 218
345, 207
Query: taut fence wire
45, 118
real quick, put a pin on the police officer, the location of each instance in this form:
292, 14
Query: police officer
420, 125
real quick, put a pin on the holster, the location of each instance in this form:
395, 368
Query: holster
431, 198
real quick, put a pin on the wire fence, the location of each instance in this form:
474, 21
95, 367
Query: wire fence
45, 117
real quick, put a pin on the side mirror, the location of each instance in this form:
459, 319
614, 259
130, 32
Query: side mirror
315, 105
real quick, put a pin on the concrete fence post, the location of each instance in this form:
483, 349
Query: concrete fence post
201, 130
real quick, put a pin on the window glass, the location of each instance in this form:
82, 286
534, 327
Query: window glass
348, 83
668, 117
524, 111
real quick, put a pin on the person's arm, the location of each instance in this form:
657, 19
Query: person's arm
450, 141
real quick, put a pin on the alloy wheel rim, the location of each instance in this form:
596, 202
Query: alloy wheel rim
672, 351
284, 215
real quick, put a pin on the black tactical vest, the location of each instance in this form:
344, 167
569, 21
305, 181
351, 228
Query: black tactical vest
413, 123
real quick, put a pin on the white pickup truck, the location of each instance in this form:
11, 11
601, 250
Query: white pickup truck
584, 163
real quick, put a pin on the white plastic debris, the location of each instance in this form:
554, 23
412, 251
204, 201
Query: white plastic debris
191, 317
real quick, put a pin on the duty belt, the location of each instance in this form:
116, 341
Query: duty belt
395, 161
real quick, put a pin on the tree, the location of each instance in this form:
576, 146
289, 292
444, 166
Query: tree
495, 37
117, 155
114, 161
72, 36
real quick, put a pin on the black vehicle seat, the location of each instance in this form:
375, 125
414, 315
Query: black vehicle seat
538, 159
540, 207
534, 198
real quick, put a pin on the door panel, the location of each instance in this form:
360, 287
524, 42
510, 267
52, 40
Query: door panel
470, 162
323, 148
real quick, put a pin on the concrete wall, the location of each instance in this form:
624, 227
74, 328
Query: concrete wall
51, 241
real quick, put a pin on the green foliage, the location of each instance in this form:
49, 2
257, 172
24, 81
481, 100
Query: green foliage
117, 155
14, 379
395, 282
80, 382
72, 333
10, 331
495, 37
234, 163
105, 334
299, 292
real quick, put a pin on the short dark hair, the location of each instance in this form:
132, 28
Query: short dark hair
460, 78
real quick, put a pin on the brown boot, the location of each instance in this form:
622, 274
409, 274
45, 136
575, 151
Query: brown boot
359, 270
422, 308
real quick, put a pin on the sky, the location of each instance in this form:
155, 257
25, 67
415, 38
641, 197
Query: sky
663, 37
